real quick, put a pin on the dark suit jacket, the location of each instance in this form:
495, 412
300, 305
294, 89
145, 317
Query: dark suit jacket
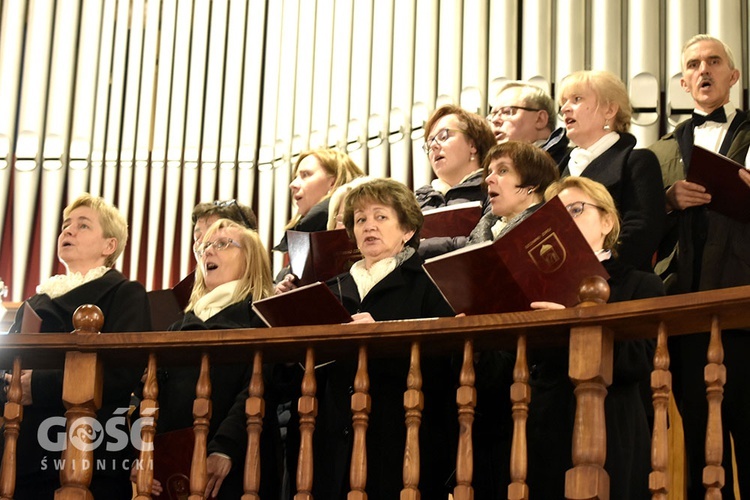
633, 178
712, 247
126, 309
405, 293
228, 429
552, 407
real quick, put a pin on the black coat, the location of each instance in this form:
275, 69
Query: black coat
126, 309
471, 189
315, 220
552, 410
712, 254
552, 407
406, 293
633, 178
229, 382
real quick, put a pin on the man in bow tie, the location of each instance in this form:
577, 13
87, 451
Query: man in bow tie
706, 250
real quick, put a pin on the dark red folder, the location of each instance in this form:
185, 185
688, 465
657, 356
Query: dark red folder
321, 255
544, 258
719, 175
173, 456
168, 306
452, 220
313, 304
31, 322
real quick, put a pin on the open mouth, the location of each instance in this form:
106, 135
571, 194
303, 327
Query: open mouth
210, 266
705, 84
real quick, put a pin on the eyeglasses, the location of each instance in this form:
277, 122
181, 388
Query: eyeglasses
220, 244
508, 111
229, 203
439, 138
576, 208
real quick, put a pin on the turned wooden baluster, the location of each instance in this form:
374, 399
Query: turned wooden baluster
255, 410
590, 370
413, 404
466, 399
13, 415
361, 405
307, 407
149, 411
661, 386
82, 396
715, 376
520, 396
201, 422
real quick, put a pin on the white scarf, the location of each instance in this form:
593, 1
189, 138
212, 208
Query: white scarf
366, 279
215, 300
59, 285
580, 157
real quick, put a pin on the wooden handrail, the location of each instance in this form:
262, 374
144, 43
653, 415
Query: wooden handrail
684, 314
590, 331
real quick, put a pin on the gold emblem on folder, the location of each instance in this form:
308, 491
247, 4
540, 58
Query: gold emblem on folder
548, 254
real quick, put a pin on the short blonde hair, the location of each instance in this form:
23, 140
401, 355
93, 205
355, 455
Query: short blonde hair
608, 88
597, 192
256, 278
114, 225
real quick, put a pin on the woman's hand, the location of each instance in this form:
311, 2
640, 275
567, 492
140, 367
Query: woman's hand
285, 285
156, 487
362, 318
540, 305
218, 468
25, 386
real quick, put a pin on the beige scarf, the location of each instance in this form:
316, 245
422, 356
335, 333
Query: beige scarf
366, 279
215, 300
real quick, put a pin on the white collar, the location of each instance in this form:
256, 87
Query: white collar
581, 157
59, 285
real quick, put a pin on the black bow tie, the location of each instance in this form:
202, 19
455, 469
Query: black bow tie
717, 115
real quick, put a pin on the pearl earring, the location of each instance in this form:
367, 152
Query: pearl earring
472, 158
606, 126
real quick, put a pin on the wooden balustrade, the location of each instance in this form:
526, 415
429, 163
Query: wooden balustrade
589, 331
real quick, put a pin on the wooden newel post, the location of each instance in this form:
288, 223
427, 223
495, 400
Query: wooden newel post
13, 415
82, 396
590, 370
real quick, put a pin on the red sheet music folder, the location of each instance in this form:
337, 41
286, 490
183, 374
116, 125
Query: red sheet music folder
719, 175
542, 259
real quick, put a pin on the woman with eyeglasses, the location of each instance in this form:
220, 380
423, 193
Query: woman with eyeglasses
455, 142
552, 407
317, 174
233, 270
597, 113
205, 214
